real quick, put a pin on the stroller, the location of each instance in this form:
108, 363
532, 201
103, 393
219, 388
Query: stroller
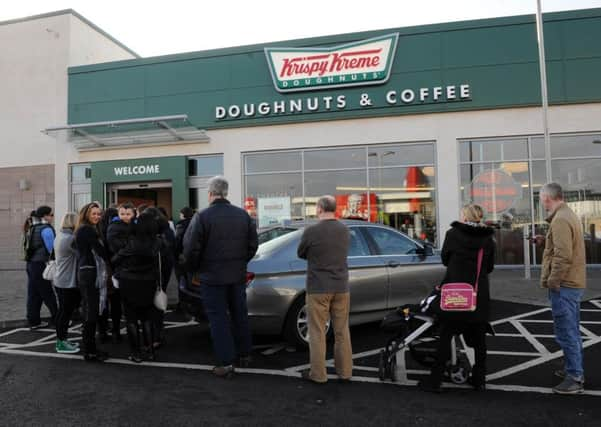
416, 328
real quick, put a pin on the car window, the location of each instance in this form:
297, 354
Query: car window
391, 242
358, 245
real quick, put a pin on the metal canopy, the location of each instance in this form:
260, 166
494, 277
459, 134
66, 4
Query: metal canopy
130, 132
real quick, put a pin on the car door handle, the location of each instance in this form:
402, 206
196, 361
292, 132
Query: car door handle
393, 264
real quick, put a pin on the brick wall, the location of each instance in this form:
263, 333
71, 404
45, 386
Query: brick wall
16, 204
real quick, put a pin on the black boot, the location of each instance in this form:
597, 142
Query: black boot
148, 329
133, 334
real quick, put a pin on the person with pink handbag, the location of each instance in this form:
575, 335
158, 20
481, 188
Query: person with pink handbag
468, 253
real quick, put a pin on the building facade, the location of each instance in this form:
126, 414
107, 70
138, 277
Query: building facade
403, 126
36, 54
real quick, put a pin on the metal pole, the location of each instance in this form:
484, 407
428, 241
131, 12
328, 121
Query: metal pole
526, 234
543, 84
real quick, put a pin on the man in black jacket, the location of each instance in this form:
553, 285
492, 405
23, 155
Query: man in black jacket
218, 244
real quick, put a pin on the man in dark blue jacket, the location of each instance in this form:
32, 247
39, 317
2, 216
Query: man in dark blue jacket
218, 244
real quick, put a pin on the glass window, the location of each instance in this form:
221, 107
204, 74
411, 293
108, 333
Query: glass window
576, 146
581, 183
79, 200
401, 190
537, 146
349, 188
493, 150
390, 242
405, 199
205, 166
358, 246
335, 159
273, 162
81, 173
273, 198
411, 154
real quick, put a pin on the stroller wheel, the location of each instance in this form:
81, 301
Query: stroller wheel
460, 372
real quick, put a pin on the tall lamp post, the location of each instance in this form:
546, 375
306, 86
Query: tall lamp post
543, 84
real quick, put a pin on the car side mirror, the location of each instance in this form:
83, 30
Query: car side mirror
426, 250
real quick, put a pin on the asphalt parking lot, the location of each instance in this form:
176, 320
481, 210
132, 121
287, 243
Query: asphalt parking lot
521, 356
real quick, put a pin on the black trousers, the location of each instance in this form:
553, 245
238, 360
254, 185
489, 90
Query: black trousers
68, 301
475, 336
90, 302
113, 310
39, 291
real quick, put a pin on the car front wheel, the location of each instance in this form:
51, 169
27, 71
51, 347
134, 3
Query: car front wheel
296, 330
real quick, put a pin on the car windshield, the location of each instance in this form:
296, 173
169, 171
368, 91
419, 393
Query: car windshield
279, 242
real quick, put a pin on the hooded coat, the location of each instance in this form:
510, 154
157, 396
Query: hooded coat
460, 255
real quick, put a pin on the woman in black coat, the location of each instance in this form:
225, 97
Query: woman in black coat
90, 253
460, 255
137, 270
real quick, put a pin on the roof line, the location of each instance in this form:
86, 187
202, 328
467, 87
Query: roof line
77, 15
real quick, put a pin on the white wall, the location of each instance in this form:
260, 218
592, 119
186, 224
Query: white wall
443, 128
33, 84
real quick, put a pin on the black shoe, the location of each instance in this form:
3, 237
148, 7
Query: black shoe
429, 386
224, 371
477, 386
93, 357
344, 380
135, 357
41, 325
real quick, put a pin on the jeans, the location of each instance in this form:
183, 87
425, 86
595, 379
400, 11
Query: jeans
39, 290
225, 307
321, 308
565, 308
68, 300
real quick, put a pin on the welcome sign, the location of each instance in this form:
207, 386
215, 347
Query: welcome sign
367, 62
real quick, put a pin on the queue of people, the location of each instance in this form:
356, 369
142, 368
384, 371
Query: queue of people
119, 261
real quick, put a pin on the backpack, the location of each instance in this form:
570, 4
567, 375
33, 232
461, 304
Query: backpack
27, 242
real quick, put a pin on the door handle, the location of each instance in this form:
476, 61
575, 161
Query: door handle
393, 264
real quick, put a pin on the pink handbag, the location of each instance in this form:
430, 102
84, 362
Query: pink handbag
460, 296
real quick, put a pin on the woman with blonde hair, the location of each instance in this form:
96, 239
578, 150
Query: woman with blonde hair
65, 282
459, 254
91, 258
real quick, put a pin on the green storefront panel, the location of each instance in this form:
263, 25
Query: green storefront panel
173, 169
497, 58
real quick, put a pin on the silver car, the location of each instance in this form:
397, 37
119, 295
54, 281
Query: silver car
386, 269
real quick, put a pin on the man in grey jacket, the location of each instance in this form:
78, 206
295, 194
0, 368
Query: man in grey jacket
325, 247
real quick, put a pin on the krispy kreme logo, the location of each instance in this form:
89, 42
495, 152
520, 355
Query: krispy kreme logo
361, 63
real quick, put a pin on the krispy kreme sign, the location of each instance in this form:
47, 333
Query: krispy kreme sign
367, 62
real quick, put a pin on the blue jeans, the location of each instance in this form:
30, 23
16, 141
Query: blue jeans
225, 307
565, 307
39, 291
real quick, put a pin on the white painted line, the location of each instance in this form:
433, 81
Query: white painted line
534, 362
12, 331
596, 303
513, 353
520, 316
535, 343
521, 336
273, 350
588, 333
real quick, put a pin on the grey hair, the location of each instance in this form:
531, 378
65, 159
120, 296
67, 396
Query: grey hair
327, 203
553, 190
218, 186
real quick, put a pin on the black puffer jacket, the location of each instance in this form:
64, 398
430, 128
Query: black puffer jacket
138, 260
219, 242
117, 236
460, 255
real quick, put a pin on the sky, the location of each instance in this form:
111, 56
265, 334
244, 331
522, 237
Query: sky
151, 27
